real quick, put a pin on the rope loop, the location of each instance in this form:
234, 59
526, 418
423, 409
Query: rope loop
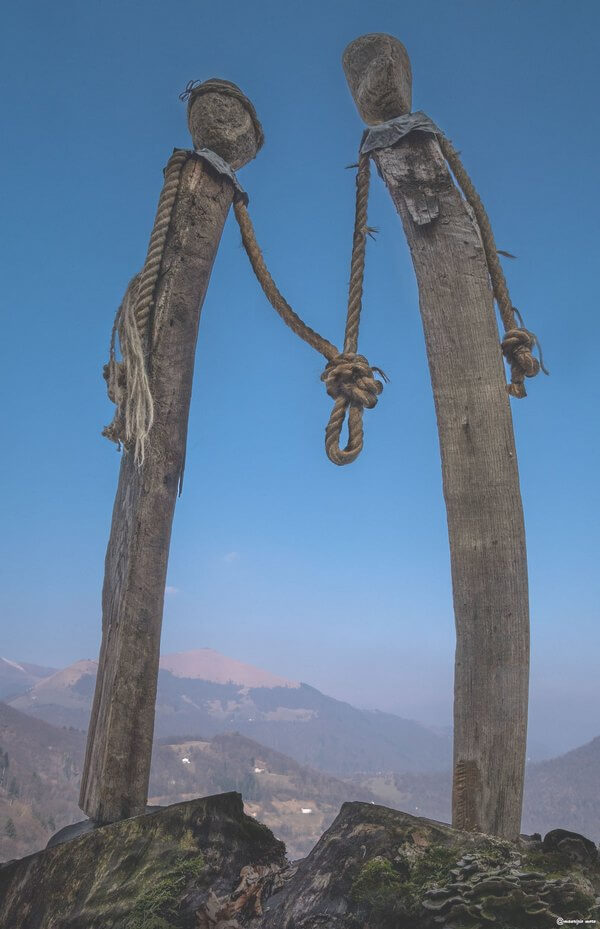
349, 379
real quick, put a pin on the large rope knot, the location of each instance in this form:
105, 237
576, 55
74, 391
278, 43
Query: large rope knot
517, 347
349, 379
350, 376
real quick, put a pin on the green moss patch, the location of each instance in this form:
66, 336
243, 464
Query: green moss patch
554, 864
378, 885
393, 892
433, 868
486, 887
159, 904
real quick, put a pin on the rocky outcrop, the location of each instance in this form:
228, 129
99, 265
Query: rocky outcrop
189, 865
206, 865
377, 868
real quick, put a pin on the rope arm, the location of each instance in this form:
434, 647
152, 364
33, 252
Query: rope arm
349, 378
518, 342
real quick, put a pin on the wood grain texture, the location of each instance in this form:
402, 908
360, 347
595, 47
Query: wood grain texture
117, 764
481, 488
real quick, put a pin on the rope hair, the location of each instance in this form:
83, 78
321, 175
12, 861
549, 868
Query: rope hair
348, 377
127, 380
518, 342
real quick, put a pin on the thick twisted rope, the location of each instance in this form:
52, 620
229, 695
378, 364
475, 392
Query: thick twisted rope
518, 342
127, 380
272, 293
348, 377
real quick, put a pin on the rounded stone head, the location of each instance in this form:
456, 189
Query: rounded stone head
221, 117
378, 72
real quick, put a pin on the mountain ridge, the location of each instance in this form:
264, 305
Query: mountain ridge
208, 664
40, 771
16, 676
291, 717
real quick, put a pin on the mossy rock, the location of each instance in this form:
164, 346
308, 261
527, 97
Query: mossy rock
150, 872
385, 869
206, 865
158, 906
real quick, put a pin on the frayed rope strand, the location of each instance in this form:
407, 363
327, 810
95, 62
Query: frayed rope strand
128, 383
128, 380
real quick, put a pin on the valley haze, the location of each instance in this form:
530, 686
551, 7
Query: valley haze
294, 753
563, 713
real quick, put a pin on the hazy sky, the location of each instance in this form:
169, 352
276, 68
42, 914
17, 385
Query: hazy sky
336, 576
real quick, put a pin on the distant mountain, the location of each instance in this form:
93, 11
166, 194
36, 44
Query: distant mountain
296, 802
40, 771
40, 768
561, 793
64, 698
423, 794
300, 722
208, 665
17, 677
204, 693
565, 792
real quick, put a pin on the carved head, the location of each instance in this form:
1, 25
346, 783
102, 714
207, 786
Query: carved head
221, 117
378, 72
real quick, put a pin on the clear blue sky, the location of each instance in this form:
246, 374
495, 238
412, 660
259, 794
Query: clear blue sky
339, 577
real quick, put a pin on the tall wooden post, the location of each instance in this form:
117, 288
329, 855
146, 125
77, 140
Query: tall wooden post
117, 763
479, 464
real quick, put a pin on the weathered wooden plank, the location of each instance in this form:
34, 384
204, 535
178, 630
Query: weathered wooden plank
117, 764
479, 464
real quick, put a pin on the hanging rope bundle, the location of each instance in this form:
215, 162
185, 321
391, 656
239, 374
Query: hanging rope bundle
127, 380
349, 378
518, 342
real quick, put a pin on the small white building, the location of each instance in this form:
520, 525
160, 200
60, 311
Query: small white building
185, 761
306, 809
258, 770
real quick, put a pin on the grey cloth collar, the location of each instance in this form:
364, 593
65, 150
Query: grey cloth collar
387, 134
222, 167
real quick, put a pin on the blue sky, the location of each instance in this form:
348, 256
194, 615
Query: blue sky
338, 577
